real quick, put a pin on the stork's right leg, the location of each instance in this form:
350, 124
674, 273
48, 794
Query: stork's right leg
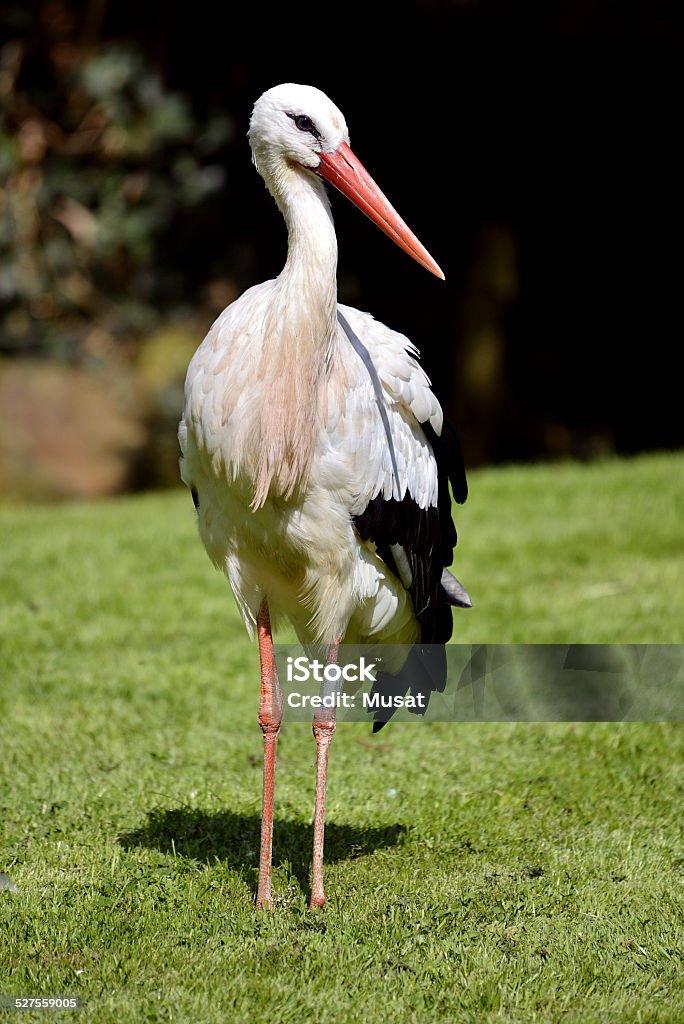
323, 730
270, 715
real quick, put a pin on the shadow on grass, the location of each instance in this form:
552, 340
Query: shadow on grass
234, 839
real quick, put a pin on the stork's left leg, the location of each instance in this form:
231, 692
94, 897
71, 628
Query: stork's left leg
323, 729
270, 715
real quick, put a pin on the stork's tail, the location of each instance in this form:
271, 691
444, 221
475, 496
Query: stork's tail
425, 670
455, 593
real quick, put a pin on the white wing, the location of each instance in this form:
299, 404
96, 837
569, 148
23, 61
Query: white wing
375, 455
400, 505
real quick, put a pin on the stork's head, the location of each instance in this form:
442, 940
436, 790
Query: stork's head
297, 128
295, 123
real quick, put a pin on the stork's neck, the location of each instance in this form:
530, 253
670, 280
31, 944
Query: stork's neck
298, 338
308, 281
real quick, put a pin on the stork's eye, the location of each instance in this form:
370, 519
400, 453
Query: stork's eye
305, 124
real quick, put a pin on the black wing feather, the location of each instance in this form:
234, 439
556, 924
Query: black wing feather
428, 536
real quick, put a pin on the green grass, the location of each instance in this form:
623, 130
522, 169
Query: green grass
475, 873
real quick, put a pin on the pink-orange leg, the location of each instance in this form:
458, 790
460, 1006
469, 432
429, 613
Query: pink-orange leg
270, 715
323, 730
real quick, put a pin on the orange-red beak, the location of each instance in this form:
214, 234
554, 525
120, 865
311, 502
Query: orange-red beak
343, 170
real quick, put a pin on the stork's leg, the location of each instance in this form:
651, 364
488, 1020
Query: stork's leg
323, 730
270, 714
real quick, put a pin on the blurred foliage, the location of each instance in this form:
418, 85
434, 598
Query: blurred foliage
129, 217
99, 163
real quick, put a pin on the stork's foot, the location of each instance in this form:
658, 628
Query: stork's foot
317, 902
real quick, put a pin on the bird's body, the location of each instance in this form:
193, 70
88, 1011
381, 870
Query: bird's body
309, 432
301, 549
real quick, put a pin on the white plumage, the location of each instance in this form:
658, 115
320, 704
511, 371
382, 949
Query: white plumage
284, 443
303, 553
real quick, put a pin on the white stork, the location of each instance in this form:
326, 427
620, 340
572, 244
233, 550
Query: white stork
313, 445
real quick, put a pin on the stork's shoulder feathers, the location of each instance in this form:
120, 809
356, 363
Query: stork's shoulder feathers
232, 340
395, 358
378, 400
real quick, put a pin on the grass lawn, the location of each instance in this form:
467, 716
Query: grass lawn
475, 872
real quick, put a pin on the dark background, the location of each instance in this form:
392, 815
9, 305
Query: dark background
531, 146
